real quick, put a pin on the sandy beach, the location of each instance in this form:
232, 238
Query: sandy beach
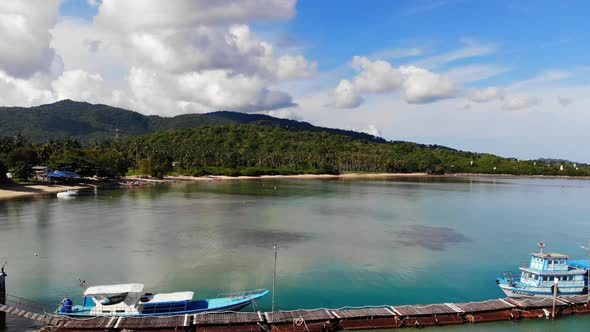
174, 178
10, 191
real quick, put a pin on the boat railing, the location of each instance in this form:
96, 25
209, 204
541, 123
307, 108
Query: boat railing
243, 294
526, 265
511, 276
27, 305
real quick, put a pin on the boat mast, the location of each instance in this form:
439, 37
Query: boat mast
541, 246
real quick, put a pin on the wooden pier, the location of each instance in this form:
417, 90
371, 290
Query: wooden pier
323, 320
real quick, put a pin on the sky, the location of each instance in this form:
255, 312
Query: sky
504, 77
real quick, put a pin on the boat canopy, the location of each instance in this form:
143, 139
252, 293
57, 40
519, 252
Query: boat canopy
171, 297
113, 289
579, 263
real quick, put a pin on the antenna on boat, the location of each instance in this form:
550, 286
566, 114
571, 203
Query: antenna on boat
274, 277
541, 246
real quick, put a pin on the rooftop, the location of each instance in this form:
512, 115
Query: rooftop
549, 255
114, 289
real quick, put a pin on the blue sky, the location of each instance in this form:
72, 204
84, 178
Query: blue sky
504, 77
531, 36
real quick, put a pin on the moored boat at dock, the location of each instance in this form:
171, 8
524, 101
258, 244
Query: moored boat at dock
543, 273
131, 300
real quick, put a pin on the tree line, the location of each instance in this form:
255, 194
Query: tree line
253, 149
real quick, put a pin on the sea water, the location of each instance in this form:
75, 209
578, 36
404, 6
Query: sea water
341, 242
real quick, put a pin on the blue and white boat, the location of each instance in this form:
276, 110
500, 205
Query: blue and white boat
131, 300
543, 273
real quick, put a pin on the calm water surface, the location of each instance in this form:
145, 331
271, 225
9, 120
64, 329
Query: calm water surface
342, 242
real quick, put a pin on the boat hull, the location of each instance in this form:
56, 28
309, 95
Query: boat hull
537, 292
213, 305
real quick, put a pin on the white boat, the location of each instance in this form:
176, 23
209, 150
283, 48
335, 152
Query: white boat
543, 273
131, 300
68, 193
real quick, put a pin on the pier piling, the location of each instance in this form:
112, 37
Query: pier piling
2, 296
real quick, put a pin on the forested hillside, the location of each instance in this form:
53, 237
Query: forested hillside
254, 149
89, 123
223, 143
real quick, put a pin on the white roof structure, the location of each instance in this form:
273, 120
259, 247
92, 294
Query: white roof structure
114, 289
171, 297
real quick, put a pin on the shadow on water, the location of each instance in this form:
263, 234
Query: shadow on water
236, 237
430, 237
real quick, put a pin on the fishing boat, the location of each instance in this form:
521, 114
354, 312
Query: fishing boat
131, 300
543, 273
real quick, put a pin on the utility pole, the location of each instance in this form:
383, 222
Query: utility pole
3, 296
274, 278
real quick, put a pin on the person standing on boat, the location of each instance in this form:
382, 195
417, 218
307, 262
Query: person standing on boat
66, 304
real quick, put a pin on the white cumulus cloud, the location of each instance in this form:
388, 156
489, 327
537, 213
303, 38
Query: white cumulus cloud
151, 56
564, 101
25, 38
345, 96
417, 85
156, 14
521, 102
487, 94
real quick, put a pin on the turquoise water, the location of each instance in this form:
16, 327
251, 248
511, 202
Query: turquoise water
341, 242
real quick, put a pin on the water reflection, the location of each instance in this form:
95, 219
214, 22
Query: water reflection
342, 242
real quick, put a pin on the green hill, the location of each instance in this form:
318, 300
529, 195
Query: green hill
89, 123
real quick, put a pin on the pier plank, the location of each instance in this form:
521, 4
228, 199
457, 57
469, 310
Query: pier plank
489, 305
362, 313
575, 299
526, 303
282, 317
89, 323
150, 322
227, 318
424, 310
231, 328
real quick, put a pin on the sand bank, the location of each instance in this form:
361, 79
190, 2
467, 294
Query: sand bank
9, 191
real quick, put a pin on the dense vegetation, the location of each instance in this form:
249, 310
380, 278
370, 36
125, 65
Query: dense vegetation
254, 149
90, 123
81, 137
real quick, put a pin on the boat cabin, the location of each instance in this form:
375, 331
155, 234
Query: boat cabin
545, 269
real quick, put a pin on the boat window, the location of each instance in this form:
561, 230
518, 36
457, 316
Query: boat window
110, 300
535, 277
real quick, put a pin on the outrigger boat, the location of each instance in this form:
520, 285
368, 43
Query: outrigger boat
130, 300
544, 272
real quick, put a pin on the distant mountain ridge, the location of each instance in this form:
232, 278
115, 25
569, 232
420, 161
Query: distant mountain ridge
97, 122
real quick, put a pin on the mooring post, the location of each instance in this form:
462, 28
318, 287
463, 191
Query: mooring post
2, 296
554, 298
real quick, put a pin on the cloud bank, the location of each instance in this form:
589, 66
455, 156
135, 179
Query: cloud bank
195, 56
416, 85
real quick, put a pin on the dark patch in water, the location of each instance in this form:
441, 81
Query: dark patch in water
262, 238
430, 237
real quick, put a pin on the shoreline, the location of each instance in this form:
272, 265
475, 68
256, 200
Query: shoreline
11, 191
188, 178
